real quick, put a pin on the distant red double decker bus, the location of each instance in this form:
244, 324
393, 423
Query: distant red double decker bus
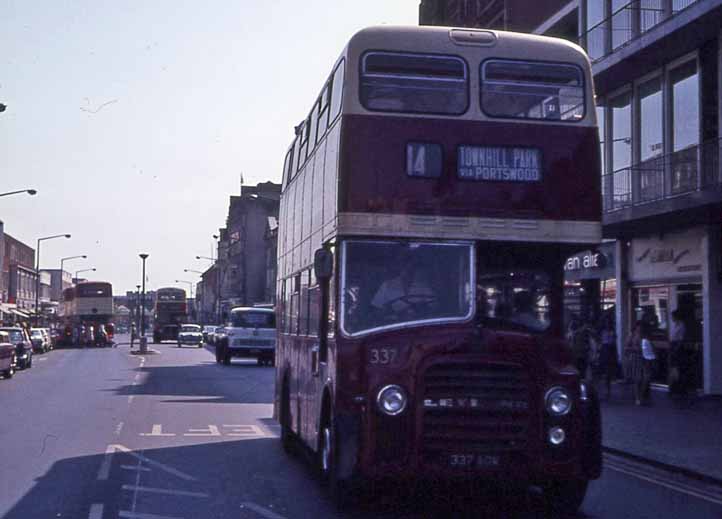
429, 202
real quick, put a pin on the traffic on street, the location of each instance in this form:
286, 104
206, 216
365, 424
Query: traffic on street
174, 434
380, 259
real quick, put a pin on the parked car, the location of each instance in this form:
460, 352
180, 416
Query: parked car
250, 332
8, 357
39, 340
208, 332
190, 334
23, 345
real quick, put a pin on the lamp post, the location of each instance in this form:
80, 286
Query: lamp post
143, 340
83, 270
37, 272
63, 260
190, 285
218, 285
142, 297
28, 191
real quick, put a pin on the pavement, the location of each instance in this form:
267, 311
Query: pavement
101, 434
680, 436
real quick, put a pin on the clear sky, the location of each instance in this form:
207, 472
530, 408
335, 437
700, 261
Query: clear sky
134, 120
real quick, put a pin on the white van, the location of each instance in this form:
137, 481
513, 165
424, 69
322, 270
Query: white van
249, 332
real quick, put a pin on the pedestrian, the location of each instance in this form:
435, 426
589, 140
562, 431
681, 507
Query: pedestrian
581, 337
133, 335
677, 361
640, 356
608, 353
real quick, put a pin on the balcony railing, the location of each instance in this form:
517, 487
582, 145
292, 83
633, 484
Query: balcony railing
691, 169
628, 23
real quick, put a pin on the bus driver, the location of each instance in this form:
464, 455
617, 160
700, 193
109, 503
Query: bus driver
406, 292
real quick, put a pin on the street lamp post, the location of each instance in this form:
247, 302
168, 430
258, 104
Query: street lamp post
37, 272
63, 260
190, 285
143, 340
77, 272
28, 191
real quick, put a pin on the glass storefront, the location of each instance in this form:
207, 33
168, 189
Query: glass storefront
653, 305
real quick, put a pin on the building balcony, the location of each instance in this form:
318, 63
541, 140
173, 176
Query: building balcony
635, 38
687, 181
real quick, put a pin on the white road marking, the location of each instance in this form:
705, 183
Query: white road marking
113, 448
135, 467
244, 430
157, 430
264, 512
96, 511
138, 515
211, 431
119, 428
168, 491
130, 399
672, 486
42, 359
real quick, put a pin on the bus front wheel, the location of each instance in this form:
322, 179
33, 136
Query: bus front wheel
343, 491
565, 497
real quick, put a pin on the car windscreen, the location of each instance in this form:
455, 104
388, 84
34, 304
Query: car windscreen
251, 319
15, 336
190, 329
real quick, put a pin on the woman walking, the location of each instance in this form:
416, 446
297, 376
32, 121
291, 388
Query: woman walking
640, 357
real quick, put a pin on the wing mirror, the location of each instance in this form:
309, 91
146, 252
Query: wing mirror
323, 264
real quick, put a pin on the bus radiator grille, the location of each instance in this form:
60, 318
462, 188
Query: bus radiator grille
474, 408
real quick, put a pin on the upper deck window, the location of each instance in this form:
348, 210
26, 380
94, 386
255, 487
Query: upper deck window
414, 83
532, 90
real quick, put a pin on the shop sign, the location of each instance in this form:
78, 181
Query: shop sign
670, 256
587, 260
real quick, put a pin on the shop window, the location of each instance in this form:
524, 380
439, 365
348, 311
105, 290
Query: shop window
650, 305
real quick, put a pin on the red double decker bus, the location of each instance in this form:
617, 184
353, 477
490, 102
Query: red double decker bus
429, 202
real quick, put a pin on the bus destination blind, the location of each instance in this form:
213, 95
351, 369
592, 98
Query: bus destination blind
499, 164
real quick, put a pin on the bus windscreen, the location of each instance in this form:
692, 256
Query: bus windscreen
532, 90
411, 83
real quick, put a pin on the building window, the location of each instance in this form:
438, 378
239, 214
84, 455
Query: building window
684, 94
651, 140
596, 29
622, 20
621, 149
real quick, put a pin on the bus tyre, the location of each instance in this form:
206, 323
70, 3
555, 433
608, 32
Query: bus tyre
343, 491
565, 497
287, 439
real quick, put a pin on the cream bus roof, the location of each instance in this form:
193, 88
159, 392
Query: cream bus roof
439, 40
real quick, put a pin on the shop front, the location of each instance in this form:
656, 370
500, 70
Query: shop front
665, 274
590, 285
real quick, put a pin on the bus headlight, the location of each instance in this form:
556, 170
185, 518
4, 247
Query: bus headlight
558, 401
391, 400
